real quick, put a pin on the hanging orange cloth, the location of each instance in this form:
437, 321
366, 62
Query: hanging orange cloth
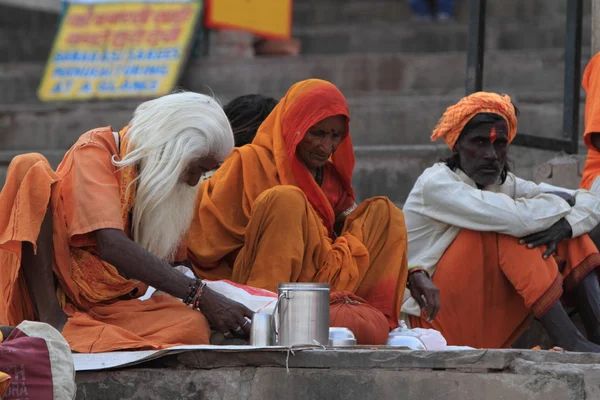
591, 85
262, 219
490, 303
87, 193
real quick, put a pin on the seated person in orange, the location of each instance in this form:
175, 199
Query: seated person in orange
245, 114
591, 136
500, 249
107, 224
282, 209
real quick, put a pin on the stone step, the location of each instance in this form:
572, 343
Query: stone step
380, 170
444, 73
26, 34
419, 37
376, 119
34, 43
348, 12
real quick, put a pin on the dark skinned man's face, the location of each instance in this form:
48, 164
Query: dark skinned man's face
483, 151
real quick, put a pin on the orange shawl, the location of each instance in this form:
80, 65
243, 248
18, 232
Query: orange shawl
224, 204
591, 85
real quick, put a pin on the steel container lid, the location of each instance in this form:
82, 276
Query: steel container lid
303, 286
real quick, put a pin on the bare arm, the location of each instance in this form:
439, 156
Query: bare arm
133, 262
454, 202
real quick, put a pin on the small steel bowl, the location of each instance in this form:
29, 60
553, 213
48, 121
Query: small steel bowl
411, 342
341, 337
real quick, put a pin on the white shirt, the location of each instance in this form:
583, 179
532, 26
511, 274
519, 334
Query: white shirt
442, 202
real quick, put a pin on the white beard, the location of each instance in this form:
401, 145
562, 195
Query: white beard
162, 230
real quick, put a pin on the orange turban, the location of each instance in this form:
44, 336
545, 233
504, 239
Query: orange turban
457, 116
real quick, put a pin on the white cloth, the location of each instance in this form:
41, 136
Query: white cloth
443, 202
596, 186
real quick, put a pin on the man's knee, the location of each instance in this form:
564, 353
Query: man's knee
284, 196
22, 163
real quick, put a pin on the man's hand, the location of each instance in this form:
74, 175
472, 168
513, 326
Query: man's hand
565, 196
425, 293
551, 237
224, 314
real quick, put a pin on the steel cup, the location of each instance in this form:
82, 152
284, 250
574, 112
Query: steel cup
261, 332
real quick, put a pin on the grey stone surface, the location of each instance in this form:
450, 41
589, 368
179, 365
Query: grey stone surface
563, 171
26, 34
164, 384
417, 37
316, 383
595, 26
326, 12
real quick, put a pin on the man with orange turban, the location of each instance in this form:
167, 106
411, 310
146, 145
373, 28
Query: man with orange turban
489, 250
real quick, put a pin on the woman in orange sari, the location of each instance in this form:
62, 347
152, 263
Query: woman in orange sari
282, 209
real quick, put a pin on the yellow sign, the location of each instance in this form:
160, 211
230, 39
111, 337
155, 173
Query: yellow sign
269, 18
119, 50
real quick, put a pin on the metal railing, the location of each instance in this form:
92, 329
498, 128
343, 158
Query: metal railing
475, 58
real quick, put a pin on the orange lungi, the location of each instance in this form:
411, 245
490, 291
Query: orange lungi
491, 286
86, 194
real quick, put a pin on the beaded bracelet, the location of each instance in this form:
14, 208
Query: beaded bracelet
195, 294
191, 293
198, 296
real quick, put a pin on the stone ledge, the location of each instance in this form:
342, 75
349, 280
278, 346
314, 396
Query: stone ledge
343, 374
351, 359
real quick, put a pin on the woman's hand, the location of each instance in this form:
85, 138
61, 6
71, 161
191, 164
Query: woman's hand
551, 237
425, 293
224, 314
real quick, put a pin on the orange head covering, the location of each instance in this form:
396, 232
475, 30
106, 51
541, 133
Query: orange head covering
457, 116
591, 85
305, 104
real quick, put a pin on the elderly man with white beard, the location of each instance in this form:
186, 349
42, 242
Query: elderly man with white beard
80, 245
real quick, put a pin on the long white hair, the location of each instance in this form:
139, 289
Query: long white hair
167, 134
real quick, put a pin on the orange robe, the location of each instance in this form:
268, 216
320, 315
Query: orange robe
490, 301
591, 84
262, 219
86, 193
